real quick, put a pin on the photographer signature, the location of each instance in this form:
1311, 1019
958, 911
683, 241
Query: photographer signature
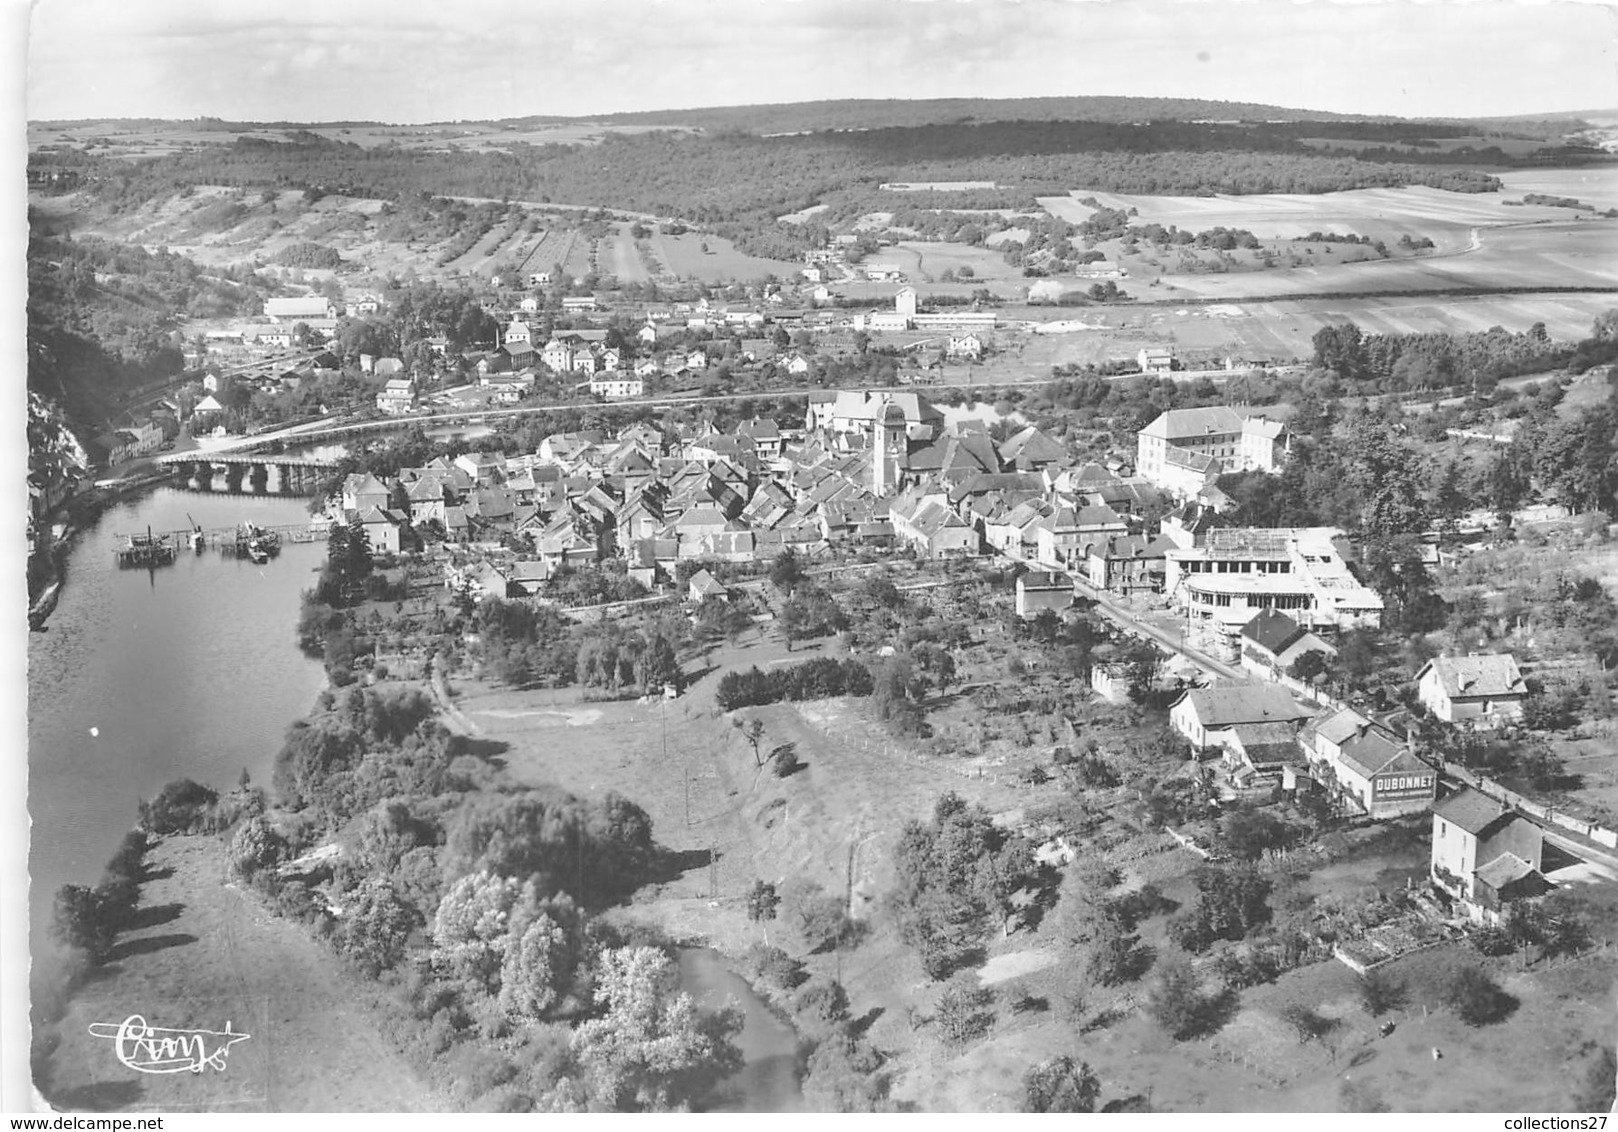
153, 1049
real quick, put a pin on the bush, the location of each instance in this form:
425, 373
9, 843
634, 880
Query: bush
1175, 1001
181, 807
1477, 998
815, 679
1060, 1085
775, 969
1381, 992
822, 1006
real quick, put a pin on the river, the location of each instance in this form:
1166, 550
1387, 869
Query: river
143, 677
768, 1081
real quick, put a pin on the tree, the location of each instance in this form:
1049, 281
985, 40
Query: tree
786, 571
256, 846
964, 1009
1060, 1085
540, 956
1337, 348
375, 926
752, 730
1380, 992
653, 1049
80, 921
762, 903
1477, 998
1175, 1000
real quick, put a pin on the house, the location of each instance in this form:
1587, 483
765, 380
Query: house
704, 586
539, 278
1179, 448
397, 396
615, 386
646, 368
518, 332
931, 528
1207, 716
1367, 766
968, 346
648, 334
580, 303
1482, 692
558, 355
381, 529
1271, 642
363, 492
1155, 359
797, 364
764, 434
1128, 564
1486, 855
696, 359
1038, 590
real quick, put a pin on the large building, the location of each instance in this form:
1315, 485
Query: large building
1185, 450
1236, 572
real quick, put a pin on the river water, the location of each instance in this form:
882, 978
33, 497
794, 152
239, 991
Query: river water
768, 1081
143, 677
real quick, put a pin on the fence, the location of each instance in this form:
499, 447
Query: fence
1588, 830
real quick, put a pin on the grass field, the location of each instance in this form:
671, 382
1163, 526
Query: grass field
618, 256
683, 256
207, 954
924, 261
1279, 330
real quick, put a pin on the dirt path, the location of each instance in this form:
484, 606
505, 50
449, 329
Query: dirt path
211, 954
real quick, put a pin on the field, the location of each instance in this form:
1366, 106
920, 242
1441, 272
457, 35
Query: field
1381, 214
925, 261
121, 139
683, 256
206, 954
1284, 329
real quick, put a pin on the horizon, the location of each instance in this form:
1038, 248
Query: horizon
489, 60
590, 118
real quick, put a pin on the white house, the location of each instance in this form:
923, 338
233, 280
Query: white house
397, 396
615, 386
965, 346
1481, 692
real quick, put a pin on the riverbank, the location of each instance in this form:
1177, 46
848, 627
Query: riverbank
206, 952
47, 566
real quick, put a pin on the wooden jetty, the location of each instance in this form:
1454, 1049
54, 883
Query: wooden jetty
233, 542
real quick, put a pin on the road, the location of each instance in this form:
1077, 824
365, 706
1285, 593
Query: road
320, 431
1127, 621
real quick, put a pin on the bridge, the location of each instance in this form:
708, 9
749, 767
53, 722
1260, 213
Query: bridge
263, 474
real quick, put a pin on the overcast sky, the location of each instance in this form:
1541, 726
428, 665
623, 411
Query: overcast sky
407, 61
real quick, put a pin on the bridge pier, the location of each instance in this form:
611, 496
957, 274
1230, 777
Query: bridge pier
258, 477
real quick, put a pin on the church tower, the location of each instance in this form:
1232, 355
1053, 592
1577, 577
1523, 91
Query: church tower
889, 449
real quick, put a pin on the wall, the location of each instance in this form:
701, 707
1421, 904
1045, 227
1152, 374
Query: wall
1599, 834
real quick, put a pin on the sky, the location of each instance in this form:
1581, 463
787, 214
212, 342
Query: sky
408, 61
